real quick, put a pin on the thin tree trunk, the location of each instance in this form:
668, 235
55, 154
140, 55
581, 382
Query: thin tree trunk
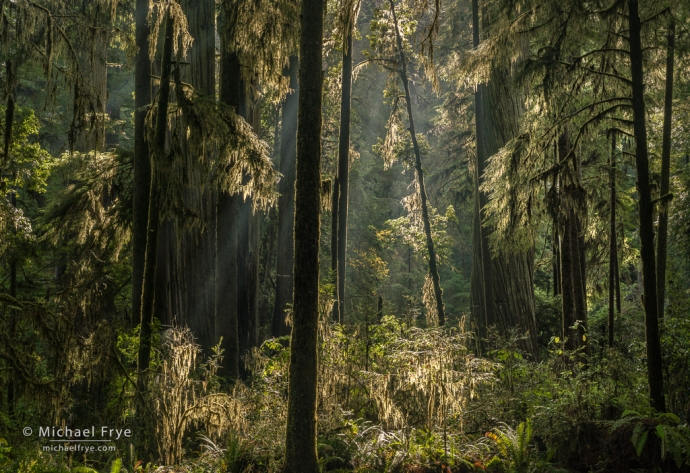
556, 245
158, 154
344, 168
654, 363
286, 204
579, 280
142, 162
300, 441
334, 247
662, 237
613, 246
433, 271
10, 74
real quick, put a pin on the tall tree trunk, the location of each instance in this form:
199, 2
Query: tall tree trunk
248, 249
142, 163
344, 168
556, 245
654, 363
227, 212
481, 282
300, 441
196, 258
613, 244
662, 237
507, 273
433, 270
507, 278
10, 75
158, 156
286, 204
334, 247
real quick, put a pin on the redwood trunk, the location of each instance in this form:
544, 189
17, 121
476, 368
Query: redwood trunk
300, 442
142, 163
654, 363
286, 205
157, 153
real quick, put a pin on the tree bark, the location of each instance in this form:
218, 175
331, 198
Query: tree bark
613, 244
142, 163
654, 363
286, 204
196, 250
481, 282
662, 237
10, 74
300, 442
496, 121
334, 248
158, 154
433, 270
226, 233
344, 168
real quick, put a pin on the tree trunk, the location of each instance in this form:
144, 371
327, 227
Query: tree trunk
142, 163
300, 441
158, 154
499, 108
334, 248
10, 75
662, 237
433, 271
196, 256
286, 205
226, 234
501, 111
248, 256
344, 168
613, 245
481, 282
654, 363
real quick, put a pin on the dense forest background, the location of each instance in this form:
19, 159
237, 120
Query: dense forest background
345, 235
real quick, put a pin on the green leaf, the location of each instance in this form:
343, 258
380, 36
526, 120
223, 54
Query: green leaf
639, 446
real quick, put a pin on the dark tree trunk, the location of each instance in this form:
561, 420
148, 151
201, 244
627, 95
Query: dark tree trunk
613, 244
556, 244
568, 294
579, 279
196, 250
248, 240
10, 75
142, 164
334, 247
662, 237
300, 442
226, 234
158, 154
433, 270
344, 169
286, 205
654, 363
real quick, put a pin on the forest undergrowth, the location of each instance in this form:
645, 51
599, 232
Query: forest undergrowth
392, 397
